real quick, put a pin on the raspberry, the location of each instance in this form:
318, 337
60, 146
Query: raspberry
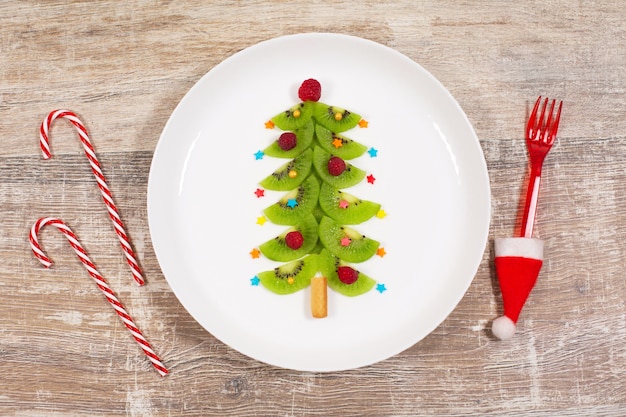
336, 166
294, 240
310, 90
347, 275
287, 141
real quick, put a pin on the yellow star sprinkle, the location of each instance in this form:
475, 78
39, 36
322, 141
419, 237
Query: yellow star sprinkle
255, 253
363, 123
269, 124
337, 143
381, 214
261, 220
381, 252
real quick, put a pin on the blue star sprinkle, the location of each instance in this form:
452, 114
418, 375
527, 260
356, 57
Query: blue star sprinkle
255, 281
258, 155
373, 152
291, 203
381, 288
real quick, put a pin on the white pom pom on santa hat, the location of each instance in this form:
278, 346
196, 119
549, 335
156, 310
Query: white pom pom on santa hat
518, 261
503, 328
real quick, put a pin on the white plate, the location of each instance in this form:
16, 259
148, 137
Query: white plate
431, 180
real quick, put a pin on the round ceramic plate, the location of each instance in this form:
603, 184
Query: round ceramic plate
427, 171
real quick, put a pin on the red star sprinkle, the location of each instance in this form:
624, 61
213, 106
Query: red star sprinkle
259, 192
371, 179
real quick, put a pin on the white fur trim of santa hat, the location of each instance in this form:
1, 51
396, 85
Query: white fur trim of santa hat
525, 247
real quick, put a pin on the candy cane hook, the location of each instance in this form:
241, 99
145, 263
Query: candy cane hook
102, 185
100, 282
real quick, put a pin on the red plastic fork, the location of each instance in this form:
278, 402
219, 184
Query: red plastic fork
540, 135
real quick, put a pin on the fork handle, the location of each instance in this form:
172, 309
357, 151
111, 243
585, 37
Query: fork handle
530, 208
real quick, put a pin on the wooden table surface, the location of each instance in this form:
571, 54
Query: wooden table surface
124, 66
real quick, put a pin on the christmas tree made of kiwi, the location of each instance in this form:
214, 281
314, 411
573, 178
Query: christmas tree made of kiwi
315, 208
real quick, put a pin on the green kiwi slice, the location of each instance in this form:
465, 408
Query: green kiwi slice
328, 265
296, 204
339, 145
276, 249
344, 207
283, 180
318, 212
357, 248
290, 277
334, 118
295, 117
304, 137
348, 178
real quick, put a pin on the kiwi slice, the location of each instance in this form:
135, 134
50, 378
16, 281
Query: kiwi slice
318, 212
294, 117
334, 118
339, 145
344, 207
348, 178
276, 249
344, 242
291, 174
329, 265
296, 204
318, 247
304, 137
290, 277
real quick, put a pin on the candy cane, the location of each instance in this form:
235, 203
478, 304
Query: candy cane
100, 282
104, 188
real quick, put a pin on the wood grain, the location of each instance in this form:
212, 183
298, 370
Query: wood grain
124, 66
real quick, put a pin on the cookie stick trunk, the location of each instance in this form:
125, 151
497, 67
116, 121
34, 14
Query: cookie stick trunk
319, 297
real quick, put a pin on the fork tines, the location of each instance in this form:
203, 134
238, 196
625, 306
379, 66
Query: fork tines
548, 129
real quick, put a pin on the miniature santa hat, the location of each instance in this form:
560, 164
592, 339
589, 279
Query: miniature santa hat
518, 261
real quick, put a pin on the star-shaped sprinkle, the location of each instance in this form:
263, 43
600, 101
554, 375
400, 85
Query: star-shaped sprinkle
291, 203
381, 214
337, 143
255, 253
259, 192
381, 288
258, 155
373, 152
345, 241
254, 281
363, 123
371, 179
269, 124
261, 220
343, 204
381, 252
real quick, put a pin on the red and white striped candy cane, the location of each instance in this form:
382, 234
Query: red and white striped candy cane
100, 282
102, 185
